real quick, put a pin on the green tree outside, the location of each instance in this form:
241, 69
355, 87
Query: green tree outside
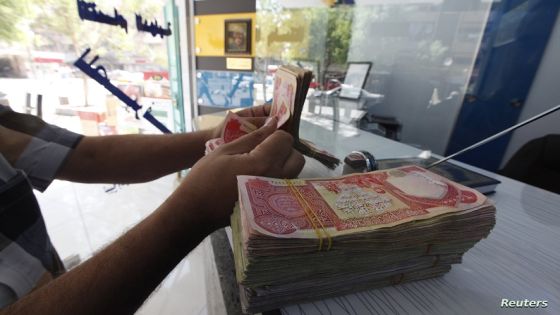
317, 34
49, 23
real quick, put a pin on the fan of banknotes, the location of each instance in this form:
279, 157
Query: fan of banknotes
290, 90
305, 239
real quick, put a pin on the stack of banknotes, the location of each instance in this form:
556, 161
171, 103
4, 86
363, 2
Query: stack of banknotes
305, 239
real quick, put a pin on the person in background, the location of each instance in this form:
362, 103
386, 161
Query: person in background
119, 278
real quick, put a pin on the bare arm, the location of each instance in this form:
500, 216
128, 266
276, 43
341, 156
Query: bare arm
118, 159
133, 158
140, 158
119, 278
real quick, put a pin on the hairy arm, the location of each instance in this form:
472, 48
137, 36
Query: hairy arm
141, 158
133, 158
120, 278
121, 158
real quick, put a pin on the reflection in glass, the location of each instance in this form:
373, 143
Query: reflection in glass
422, 54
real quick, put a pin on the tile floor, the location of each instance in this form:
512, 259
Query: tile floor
83, 218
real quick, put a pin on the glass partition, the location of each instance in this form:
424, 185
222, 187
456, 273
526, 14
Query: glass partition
40, 41
422, 54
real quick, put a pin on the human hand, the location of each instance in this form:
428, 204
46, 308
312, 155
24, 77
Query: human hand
212, 184
256, 115
255, 111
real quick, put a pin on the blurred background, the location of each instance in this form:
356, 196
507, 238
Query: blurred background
440, 74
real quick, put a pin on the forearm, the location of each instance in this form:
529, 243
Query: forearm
133, 158
121, 277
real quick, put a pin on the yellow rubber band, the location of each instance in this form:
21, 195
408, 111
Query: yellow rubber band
294, 192
311, 216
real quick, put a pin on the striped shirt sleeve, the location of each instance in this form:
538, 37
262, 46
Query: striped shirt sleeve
47, 151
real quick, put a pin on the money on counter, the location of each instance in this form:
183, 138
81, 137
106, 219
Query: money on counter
306, 239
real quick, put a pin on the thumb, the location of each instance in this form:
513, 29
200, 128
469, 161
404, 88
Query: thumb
249, 141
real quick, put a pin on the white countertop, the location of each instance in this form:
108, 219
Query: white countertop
519, 260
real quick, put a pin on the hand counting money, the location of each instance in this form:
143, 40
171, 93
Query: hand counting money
290, 91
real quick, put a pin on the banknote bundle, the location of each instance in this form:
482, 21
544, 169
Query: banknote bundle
290, 91
305, 239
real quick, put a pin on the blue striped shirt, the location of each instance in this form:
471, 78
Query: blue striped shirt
26, 253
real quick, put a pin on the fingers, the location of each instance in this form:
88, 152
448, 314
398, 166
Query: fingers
270, 151
265, 109
293, 165
257, 121
249, 141
255, 111
273, 151
275, 157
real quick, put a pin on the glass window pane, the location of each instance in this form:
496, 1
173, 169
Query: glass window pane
421, 54
40, 41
